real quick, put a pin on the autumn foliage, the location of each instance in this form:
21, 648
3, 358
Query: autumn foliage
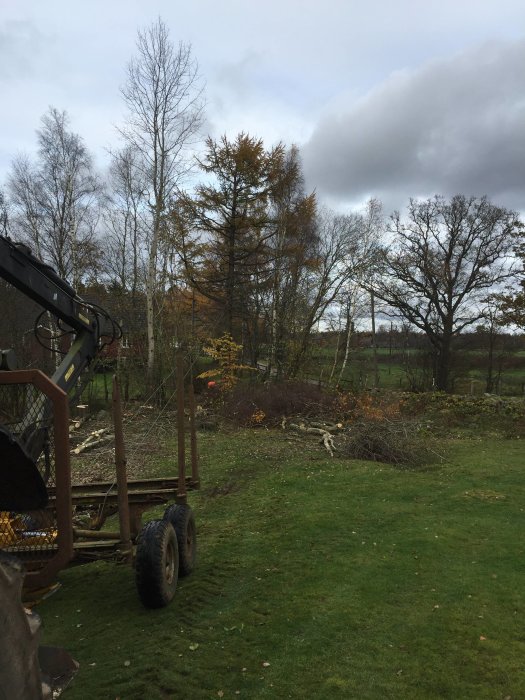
226, 354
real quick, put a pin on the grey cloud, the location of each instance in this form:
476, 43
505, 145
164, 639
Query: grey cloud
452, 126
21, 49
231, 86
237, 77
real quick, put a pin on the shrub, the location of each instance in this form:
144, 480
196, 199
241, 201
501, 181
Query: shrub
225, 352
367, 406
267, 404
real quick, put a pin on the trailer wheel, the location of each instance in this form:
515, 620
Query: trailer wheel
157, 563
182, 518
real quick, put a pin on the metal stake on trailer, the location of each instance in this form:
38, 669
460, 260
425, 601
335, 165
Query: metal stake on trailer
122, 477
181, 433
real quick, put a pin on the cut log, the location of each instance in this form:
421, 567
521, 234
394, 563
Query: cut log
328, 442
91, 443
326, 438
306, 429
329, 427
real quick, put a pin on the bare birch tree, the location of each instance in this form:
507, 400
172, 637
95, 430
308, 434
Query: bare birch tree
4, 215
352, 308
125, 220
163, 97
362, 258
55, 199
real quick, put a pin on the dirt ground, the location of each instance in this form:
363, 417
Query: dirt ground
147, 436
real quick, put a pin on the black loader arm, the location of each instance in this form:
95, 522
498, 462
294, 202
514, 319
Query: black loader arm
39, 282
21, 484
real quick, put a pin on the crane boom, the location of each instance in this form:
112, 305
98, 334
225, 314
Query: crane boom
21, 445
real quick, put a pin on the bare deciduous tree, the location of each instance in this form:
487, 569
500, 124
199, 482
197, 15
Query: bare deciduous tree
125, 220
55, 199
164, 101
445, 258
365, 230
4, 215
294, 243
325, 273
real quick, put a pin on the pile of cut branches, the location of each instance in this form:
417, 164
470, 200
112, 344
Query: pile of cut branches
397, 442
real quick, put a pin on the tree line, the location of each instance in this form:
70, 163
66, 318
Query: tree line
187, 247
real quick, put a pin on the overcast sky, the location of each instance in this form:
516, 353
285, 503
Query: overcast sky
385, 98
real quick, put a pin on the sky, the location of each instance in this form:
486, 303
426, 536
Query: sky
385, 98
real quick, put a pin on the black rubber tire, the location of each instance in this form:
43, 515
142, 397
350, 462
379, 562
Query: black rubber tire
157, 563
182, 518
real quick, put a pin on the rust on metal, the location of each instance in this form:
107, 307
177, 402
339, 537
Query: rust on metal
97, 534
120, 466
193, 438
155, 490
181, 489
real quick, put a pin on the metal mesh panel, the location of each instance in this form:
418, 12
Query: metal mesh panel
28, 416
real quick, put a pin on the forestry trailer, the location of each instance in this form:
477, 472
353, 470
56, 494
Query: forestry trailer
37, 500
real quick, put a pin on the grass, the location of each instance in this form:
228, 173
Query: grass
319, 578
402, 369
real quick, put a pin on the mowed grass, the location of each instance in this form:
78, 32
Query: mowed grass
319, 578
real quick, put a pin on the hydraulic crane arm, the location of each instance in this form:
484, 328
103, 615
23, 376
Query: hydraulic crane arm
22, 445
39, 282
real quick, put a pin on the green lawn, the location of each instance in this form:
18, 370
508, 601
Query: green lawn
319, 578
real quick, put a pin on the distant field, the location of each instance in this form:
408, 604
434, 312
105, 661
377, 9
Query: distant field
397, 369
404, 369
